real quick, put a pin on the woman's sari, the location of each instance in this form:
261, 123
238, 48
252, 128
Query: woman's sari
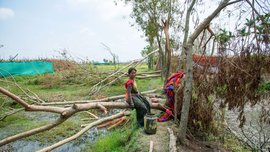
141, 104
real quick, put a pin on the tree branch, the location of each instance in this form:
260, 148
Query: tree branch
91, 101
32, 132
83, 131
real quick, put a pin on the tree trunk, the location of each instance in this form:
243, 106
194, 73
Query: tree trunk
187, 93
183, 53
189, 74
182, 61
167, 48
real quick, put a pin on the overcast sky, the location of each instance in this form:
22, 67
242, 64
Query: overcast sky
37, 28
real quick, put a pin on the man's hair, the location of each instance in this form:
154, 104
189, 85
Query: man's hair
131, 69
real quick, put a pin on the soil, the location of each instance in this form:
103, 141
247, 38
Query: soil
161, 140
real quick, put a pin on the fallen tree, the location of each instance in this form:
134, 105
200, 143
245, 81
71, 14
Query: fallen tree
49, 148
97, 100
64, 113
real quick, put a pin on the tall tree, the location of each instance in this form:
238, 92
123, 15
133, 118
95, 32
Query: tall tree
189, 63
155, 17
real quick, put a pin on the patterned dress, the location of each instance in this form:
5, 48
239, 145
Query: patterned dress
141, 104
169, 88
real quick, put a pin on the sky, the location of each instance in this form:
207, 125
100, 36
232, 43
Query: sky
41, 28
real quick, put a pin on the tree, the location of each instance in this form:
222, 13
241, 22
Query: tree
189, 69
150, 60
155, 17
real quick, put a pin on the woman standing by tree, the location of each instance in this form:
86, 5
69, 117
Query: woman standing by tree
134, 98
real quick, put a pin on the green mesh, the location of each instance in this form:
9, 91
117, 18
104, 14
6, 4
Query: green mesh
25, 68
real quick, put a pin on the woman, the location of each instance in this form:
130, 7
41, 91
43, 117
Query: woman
134, 98
169, 88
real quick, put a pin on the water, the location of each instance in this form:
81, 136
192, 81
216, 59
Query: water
253, 130
30, 146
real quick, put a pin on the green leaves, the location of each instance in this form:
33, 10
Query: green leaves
225, 36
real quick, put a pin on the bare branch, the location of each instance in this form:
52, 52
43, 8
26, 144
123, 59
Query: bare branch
101, 107
11, 113
32, 132
83, 131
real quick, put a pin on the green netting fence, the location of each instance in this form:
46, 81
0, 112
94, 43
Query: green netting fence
25, 68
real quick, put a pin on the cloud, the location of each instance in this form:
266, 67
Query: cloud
6, 13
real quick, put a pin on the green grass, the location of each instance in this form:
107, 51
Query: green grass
264, 87
63, 90
230, 142
117, 140
64, 130
14, 120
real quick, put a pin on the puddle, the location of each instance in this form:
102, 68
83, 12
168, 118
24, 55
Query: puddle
31, 146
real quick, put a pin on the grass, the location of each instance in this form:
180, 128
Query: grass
116, 140
66, 129
230, 142
53, 88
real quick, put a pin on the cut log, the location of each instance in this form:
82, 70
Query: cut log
151, 146
108, 123
172, 144
122, 120
152, 72
101, 107
148, 76
98, 100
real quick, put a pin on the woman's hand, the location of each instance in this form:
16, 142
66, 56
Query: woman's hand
130, 102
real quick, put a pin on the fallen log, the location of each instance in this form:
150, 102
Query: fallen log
148, 76
64, 113
151, 72
122, 120
172, 144
97, 100
151, 146
82, 131
108, 123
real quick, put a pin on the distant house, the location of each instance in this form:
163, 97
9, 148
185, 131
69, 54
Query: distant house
210, 61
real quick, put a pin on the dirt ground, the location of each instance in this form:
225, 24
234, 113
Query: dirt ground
161, 140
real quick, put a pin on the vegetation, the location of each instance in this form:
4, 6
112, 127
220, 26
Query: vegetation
117, 140
237, 77
59, 89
